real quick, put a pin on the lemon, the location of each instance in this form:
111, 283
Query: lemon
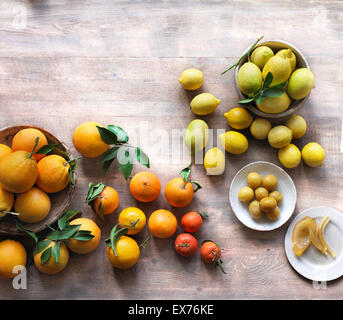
249, 78
204, 103
279, 137
300, 84
261, 55
196, 136
279, 67
290, 156
238, 118
298, 126
260, 128
214, 161
234, 142
191, 79
288, 54
313, 154
275, 105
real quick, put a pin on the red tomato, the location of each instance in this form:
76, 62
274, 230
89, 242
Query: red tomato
191, 221
211, 252
185, 244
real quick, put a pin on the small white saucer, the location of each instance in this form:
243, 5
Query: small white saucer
285, 186
313, 264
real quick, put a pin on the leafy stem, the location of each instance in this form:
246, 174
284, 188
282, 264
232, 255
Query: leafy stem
34, 147
185, 174
247, 53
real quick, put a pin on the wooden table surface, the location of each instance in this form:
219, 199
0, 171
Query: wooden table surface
117, 62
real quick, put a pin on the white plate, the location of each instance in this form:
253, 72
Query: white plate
313, 264
285, 186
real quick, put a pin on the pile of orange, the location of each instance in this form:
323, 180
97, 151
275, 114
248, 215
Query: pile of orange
29, 175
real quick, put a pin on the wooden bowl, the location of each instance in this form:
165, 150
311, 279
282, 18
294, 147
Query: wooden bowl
60, 201
295, 105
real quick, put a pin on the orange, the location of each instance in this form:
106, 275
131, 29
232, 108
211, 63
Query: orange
53, 173
178, 193
132, 214
25, 140
145, 186
18, 172
83, 247
33, 205
162, 223
12, 254
109, 199
87, 140
51, 266
4, 150
127, 253
6, 201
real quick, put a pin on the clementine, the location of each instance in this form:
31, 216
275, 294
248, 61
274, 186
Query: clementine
179, 193
87, 140
162, 224
6, 201
130, 215
25, 140
53, 173
145, 186
4, 150
12, 254
109, 199
83, 247
33, 205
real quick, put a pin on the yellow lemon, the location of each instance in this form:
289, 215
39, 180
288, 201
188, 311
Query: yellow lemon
234, 142
127, 253
288, 54
204, 103
300, 84
238, 118
279, 137
275, 105
260, 128
298, 126
132, 214
191, 79
214, 161
261, 55
313, 154
6, 201
249, 78
290, 156
279, 67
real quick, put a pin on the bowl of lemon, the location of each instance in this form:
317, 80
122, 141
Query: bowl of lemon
273, 79
37, 179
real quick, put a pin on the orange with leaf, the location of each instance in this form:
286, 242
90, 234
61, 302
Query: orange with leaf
179, 192
103, 199
211, 253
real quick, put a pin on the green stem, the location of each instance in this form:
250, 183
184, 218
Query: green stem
76, 159
34, 148
185, 245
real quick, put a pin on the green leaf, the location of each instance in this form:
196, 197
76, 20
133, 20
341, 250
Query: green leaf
46, 255
101, 210
280, 85
107, 135
197, 184
64, 234
106, 166
40, 246
246, 101
83, 235
110, 154
46, 149
62, 222
34, 147
56, 251
186, 172
142, 158
94, 192
259, 99
29, 232
60, 152
273, 92
268, 80
125, 163
122, 136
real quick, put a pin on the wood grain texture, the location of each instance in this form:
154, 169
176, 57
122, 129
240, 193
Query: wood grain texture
118, 62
